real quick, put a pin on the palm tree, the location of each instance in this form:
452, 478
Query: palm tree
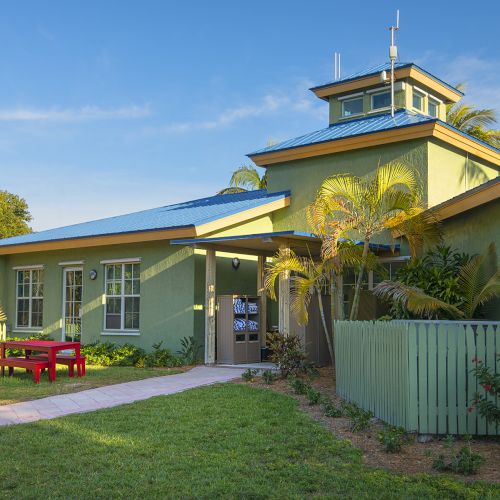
307, 278
311, 277
360, 208
479, 280
245, 178
473, 121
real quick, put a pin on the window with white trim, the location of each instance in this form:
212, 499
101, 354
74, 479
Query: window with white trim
433, 107
29, 298
123, 296
418, 100
352, 107
381, 100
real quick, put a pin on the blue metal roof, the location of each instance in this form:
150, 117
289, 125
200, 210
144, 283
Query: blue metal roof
362, 126
374, 70
298, 235
181, 215
342, 130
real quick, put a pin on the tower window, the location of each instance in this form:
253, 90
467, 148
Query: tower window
433, 107
352, 107
418, 101
381, 100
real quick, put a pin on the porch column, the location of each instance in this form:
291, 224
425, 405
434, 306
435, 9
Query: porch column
210, 263
284, 301
261, 291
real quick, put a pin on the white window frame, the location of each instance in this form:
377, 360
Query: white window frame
357, 98
422, 95
29, 326
372, 108
436, 102
122, 330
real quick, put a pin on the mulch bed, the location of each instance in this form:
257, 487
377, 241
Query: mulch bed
414, 457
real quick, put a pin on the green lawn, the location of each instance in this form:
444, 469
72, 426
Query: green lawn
21, 387
221, 441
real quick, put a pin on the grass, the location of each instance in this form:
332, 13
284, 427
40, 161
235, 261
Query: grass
224, 441
20, 387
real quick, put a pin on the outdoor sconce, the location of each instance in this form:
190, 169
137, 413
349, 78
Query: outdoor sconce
235, 263
93, 274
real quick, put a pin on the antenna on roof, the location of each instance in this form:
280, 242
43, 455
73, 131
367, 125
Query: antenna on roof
337, 66
393, 54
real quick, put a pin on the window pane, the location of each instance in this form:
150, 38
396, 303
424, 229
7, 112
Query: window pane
113, 321
417, 100
433, 108
128, 287
382, 100
136, 287
109, 272
128, 271
352, 106
136, 270
113, 306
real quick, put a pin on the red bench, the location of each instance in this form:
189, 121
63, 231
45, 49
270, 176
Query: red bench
68, 360
33, 365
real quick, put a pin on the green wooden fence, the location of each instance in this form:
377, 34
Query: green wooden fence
416, 374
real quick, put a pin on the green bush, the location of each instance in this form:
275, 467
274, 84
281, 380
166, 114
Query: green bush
161, 358
189, 351
110, 354
288, 353
269, 376
249, 375
392, 438
22, 352
298, 385
359, 419
488, 400
464, 462
313, 396
330, 409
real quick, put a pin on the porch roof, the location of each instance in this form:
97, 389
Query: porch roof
302, 243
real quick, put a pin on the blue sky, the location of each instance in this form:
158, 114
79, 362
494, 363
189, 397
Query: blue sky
111, 107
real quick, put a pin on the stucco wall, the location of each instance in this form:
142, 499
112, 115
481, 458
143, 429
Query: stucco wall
167, 291
472, 232
452, 172
304, 177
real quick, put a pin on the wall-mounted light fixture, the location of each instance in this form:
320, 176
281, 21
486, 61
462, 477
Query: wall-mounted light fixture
235, 263
93, 274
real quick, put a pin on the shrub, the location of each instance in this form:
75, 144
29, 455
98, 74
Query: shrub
464, 462
189, 351
298, 385
392, 438
269, 376
359, 419
109, 354
313, 395
21, 352
161, 357
487, 402
330, 409
288, 353
249, 375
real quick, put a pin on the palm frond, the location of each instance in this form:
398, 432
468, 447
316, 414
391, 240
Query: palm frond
414, 299
246, 177
285, 261
232, 190
301, 291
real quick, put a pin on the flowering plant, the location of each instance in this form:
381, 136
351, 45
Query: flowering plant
486, 402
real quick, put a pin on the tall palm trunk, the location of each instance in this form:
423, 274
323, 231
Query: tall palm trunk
359, 281
323, 321
333, 310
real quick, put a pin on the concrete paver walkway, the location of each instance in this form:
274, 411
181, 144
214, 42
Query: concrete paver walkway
113, 395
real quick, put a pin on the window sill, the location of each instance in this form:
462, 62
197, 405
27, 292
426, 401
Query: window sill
121, 333
378, 110
27, 330
357, 115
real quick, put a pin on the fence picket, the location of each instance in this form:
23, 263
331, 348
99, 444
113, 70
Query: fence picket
416, 374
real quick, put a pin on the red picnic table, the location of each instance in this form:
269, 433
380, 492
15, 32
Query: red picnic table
51, 347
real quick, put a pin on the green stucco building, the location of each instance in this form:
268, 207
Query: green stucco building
155, 275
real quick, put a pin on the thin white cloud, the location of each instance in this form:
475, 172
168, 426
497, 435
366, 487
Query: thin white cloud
268, 105
85, 113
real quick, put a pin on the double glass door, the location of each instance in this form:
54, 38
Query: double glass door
72, 304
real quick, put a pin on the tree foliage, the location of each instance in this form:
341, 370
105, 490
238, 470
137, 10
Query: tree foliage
474, 121
14, 215
444, 284
245, 178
